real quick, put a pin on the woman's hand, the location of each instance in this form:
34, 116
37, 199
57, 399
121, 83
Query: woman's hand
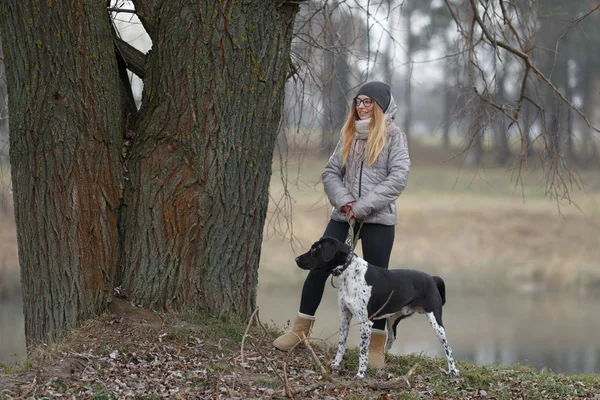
347, 207
350, 215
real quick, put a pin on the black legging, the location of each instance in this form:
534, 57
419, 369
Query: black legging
377, 241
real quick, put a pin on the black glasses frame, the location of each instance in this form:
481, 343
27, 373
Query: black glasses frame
366, 102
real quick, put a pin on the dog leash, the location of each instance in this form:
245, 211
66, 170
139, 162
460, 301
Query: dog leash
352, 239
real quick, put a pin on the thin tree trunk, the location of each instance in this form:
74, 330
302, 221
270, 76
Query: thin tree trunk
528, 123
65, 152
200, 164
450, 97
476, 130
408, 91
335, 75
528, 117
567, 116
500, 127
334, 98
388, 55
451, 85
590, 85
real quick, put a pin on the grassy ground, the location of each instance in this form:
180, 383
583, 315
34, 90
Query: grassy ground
133, 353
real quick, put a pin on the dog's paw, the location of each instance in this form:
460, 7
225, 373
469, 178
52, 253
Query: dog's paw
451, 372
335, 366
360, 375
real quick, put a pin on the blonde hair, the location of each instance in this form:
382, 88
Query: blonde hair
376, 139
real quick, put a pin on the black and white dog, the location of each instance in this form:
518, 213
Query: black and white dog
366, 290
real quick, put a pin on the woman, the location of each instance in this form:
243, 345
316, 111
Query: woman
362, 179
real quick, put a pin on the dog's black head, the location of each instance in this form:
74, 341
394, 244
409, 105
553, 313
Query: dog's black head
325, 255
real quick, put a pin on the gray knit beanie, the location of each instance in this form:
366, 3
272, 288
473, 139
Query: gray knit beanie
378, 91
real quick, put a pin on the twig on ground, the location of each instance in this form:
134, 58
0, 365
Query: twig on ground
288, 390
257, 346
32, 387
246, 333
324, 373
258, 321
259, 350
391, 384
366, 383
409, 374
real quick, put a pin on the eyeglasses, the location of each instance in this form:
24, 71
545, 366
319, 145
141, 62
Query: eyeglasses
366, 102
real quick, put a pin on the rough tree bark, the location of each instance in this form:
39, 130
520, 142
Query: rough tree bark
200, 164
65, 146
183, 228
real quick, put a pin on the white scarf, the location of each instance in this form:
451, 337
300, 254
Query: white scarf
357, 152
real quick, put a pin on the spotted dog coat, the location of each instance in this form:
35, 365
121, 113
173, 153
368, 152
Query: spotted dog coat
367, 291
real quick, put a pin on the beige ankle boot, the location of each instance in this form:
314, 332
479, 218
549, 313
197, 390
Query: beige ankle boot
288, 340
376, 357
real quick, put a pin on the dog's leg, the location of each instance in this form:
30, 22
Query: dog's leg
345, 318
391, 335
441, 333
365, 340
392, 327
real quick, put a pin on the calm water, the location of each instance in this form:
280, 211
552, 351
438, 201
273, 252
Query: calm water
557, 332
12, 331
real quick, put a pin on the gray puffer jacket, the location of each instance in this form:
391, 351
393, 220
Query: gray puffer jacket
379, 185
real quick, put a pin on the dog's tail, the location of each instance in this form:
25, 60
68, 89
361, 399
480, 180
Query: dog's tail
441, 288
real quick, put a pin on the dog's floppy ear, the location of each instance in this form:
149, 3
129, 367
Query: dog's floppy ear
329, 248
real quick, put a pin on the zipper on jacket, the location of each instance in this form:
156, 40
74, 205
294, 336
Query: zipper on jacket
360, 178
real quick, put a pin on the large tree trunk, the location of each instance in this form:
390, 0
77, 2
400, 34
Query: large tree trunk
187, 229
65, 146
200, 164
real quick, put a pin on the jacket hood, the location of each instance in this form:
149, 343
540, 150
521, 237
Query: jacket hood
391, 110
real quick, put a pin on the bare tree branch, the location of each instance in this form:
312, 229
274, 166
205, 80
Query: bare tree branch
121, 10
134, 59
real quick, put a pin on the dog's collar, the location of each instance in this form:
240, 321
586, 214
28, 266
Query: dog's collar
339, 270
